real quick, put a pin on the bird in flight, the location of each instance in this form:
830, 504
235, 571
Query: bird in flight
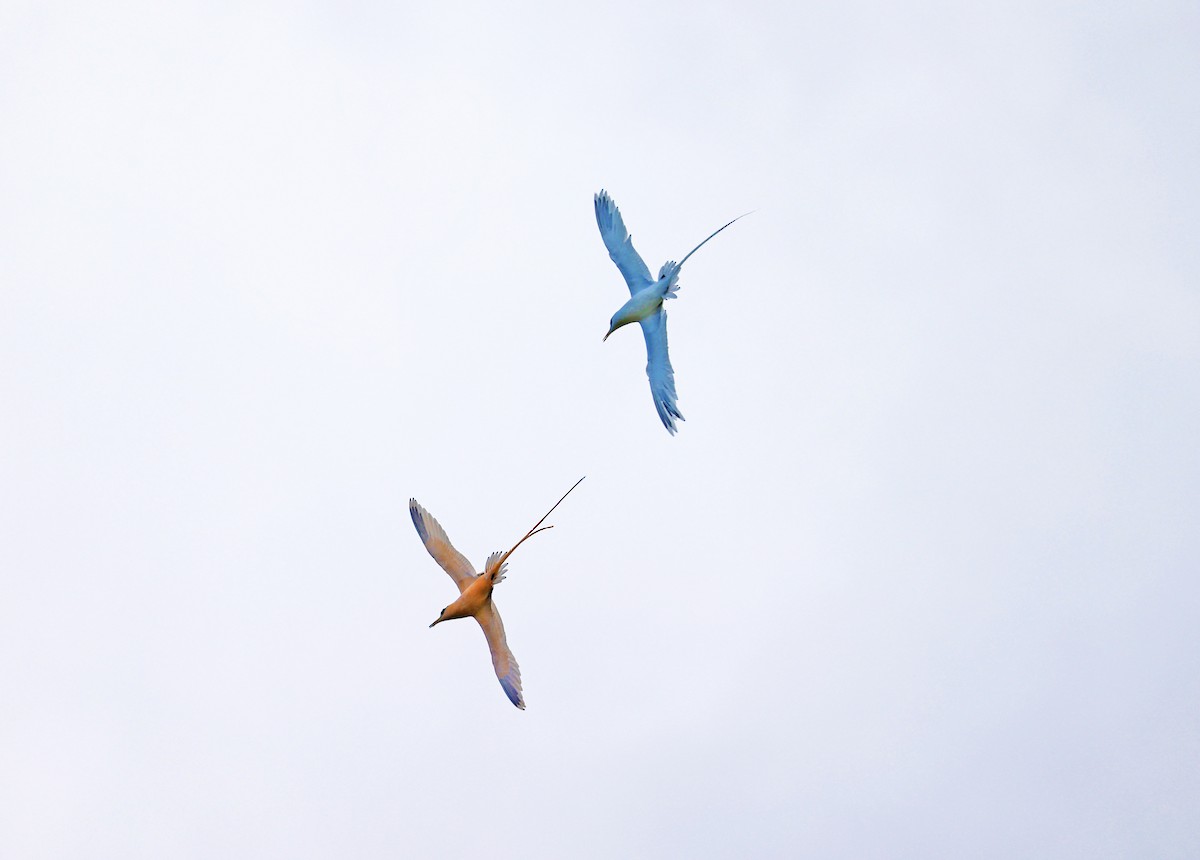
645, 304
475, 591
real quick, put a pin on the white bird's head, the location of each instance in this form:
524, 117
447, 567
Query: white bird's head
615, 323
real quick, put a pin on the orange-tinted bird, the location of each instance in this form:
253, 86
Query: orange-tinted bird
475, 591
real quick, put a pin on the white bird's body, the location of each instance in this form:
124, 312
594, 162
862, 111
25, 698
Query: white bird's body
642, 304
645, 303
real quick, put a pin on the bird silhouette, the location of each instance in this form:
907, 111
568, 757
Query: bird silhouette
645, 305
475, 591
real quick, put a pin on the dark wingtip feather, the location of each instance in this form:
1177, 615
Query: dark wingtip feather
514, 695
414, 511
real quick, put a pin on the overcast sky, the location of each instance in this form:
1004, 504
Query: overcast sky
917, 578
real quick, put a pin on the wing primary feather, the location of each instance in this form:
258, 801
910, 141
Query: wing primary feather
438, 545
620, 244
659, 370
503, 661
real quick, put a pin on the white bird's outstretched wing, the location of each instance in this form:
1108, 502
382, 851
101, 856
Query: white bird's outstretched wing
619, 244
502, 659
658, 368
434, 537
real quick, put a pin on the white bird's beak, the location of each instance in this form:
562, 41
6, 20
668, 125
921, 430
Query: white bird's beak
435, 623
610, 331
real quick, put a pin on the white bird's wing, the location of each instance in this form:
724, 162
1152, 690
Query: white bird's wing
434, 537
658, 368
620, 245
502, 659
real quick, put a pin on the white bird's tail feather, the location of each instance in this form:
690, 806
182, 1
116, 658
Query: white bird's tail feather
670, 271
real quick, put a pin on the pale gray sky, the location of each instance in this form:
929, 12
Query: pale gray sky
917, 578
